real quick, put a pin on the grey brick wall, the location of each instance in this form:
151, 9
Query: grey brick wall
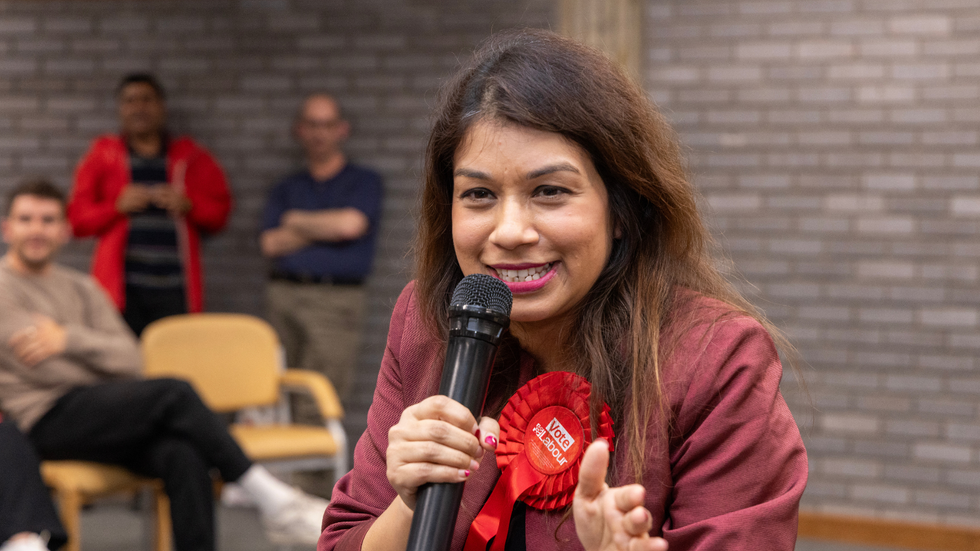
235, 73
836, 145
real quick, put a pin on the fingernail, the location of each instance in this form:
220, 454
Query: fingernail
478, 433
464, 474
473, 465
491, 440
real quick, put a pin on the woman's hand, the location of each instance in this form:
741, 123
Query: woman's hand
608, 519
436, 440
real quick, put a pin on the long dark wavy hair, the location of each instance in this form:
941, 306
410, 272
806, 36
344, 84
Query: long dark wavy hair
539, 80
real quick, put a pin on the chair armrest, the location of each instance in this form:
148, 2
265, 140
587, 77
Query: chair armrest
317, 386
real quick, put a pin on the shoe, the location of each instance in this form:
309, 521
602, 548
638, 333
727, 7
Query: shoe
298, 522
233, 495
29, 542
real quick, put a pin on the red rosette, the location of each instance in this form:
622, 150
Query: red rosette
559, 389
544, 430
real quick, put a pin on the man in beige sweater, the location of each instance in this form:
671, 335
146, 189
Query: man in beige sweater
70, 376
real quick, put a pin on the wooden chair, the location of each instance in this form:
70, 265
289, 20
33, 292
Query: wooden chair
77, 483
234, 361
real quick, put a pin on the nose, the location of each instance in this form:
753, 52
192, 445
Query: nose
514, 225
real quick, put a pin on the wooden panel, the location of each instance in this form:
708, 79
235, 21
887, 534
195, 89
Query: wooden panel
889, 533
613, 26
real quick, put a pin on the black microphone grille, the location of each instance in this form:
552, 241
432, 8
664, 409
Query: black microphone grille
483, 290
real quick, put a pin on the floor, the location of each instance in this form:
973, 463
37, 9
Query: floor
116, 527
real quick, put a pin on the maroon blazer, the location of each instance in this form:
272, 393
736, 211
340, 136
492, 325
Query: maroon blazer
730, 478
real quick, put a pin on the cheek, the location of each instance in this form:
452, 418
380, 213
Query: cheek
471, 236
466, 237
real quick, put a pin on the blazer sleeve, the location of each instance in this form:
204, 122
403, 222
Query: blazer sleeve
737, 460
207, 189
364, 493
91, 208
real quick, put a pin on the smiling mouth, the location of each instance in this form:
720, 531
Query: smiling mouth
526, 274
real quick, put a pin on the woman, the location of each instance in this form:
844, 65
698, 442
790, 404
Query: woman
547, 168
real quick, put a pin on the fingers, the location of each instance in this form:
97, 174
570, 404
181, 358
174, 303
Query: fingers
592, 473
38, 342
628, 497
22, 336
434, 441
29, 349
445, 409
489, 434
637, 522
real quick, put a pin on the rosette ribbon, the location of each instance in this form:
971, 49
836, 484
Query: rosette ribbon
544, 430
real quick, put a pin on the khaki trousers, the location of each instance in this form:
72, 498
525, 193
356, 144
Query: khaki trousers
320, 327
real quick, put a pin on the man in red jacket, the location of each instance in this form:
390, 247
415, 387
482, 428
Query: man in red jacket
148, 197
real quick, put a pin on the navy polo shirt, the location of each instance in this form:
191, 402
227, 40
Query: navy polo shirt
355, 187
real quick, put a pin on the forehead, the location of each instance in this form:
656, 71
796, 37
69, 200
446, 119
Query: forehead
320, 107
34, 205
138, 89
520, 143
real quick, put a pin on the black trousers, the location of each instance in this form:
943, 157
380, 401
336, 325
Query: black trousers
25, 504
154, 427
144, 306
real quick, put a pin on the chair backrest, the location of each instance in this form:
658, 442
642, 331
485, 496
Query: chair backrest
232, 360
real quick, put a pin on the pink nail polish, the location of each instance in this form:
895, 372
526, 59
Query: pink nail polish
466, 473
490, 439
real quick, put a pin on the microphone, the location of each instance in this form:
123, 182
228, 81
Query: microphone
478, 314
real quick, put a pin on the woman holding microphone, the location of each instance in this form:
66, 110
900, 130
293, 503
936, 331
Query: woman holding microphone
635, 401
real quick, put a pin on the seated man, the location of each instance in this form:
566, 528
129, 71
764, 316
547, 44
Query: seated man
70, 378
28, 521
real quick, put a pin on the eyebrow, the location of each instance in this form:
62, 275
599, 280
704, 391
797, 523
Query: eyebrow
558, 167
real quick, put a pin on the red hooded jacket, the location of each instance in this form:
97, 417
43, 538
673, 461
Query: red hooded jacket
100, 178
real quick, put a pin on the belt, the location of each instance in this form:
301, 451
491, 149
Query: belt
316, 279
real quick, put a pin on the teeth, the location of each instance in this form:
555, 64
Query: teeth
530, 274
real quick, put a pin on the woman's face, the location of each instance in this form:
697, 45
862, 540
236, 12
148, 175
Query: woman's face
530, 209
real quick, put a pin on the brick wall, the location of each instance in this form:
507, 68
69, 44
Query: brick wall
836, 144
235, 73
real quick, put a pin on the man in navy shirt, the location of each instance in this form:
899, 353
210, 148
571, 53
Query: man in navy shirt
319, 229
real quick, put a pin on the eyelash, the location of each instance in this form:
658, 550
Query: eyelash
483, 193
472, 194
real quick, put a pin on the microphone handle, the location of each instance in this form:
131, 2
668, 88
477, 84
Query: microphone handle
465, 377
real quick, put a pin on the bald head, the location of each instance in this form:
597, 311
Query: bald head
319, 106
320, 128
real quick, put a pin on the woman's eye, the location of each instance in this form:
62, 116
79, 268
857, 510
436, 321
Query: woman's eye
476, 194
551, 191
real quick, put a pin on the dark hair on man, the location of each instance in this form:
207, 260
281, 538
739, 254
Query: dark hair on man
37, 187
141, 78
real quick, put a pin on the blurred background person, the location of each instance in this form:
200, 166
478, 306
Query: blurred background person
320, 226
28, 520
71, 378
148, 197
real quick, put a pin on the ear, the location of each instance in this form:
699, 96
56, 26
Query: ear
617, 231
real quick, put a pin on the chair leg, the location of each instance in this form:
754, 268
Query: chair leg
70, 506
164, 528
